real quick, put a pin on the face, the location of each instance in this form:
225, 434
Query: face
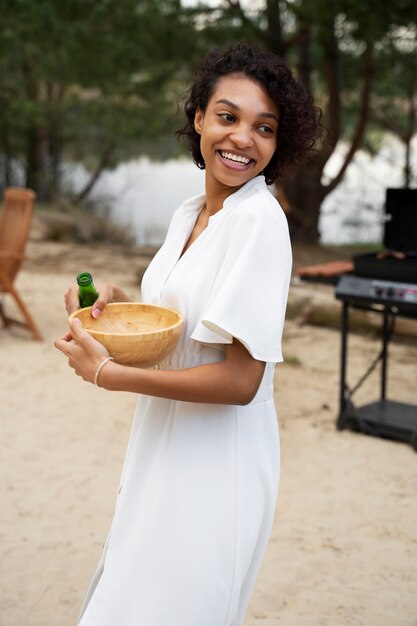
238, 132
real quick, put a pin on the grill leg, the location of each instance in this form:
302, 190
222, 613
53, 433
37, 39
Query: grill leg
341, 421
384, 356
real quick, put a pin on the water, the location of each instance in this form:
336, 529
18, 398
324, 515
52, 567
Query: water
354, 212
143, 194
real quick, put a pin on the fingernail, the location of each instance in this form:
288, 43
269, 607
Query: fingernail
96, 313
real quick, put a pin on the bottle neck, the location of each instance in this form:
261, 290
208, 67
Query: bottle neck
84, 279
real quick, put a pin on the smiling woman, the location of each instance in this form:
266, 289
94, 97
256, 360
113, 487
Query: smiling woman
199, 484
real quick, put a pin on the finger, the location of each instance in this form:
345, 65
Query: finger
97, 308
92, 348
71, 299
66, 338
62, 345
82, 337
105, 295
77, 331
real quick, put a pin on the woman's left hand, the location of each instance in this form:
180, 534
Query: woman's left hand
84, 353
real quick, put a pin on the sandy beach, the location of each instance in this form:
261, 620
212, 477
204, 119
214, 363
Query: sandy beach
344, 545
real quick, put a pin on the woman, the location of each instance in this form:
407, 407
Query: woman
200, 478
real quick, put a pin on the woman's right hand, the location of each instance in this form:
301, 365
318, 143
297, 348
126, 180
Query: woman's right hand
107, 292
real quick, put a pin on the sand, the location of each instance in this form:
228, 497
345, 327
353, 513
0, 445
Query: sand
344, 545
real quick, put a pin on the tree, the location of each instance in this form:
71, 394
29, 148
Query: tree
84, 79
331, 46
395, 90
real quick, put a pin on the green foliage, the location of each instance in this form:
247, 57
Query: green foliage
97, 80
83, 76
335, 47
395, 92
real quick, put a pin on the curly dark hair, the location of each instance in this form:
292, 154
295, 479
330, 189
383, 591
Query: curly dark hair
299, 125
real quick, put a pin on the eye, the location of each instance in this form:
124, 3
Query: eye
264, 128
227, 117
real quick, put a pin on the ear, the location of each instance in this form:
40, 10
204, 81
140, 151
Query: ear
198, 120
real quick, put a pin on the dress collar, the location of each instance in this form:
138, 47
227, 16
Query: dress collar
191, 206
246, 190
241, 194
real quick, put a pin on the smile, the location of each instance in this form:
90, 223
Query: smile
235, 158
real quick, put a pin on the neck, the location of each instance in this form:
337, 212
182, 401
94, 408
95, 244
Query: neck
216, 195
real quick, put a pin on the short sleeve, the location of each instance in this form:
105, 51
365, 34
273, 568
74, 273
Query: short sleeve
249, 296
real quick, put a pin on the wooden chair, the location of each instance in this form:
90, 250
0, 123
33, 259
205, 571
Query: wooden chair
14, 233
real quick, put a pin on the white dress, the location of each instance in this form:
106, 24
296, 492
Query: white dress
199, 482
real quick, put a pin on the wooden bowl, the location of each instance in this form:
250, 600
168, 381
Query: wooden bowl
135, 334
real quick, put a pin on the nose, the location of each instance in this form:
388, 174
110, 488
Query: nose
242, 136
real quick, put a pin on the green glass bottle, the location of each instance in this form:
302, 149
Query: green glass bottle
87, 293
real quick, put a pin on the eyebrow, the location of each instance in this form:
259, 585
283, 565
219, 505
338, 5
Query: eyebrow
237, 108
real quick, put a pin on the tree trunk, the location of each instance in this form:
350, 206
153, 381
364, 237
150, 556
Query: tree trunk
305, 192
36, 137
7, 156
55, 94
37, 176
332, 76
104, 161
411, 126
304, 65
31, 164
274, 37
363, 116
304, 195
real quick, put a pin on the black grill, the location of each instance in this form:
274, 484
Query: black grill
384, 282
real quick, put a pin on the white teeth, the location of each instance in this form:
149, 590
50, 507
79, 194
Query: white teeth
234, 157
